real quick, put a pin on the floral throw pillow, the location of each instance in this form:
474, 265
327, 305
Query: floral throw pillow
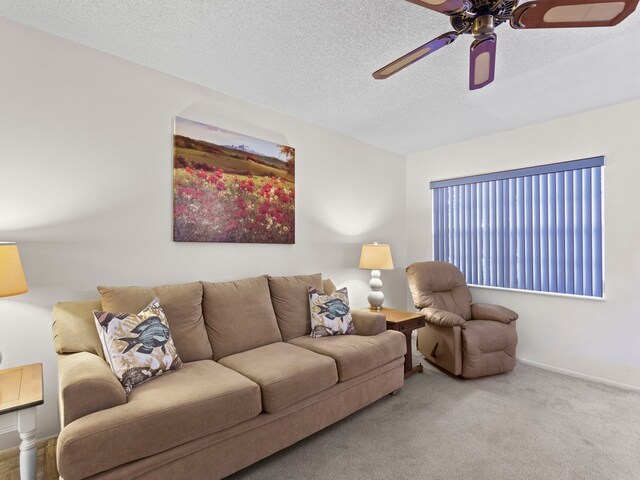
330, 314
137, 346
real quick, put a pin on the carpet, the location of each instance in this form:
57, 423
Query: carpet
527, 424
46, 462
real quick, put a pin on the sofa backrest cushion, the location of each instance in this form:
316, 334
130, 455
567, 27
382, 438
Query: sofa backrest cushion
290, 299
181, 303
439, 285
74, 329
239, 316
328, 287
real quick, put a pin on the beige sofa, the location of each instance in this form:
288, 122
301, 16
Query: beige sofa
253, 382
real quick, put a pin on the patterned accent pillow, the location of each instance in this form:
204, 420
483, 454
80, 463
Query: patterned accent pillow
330, 314
138, 347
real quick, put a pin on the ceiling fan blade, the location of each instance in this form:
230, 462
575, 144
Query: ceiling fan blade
447, 7
483, 62
415, 55
572, 13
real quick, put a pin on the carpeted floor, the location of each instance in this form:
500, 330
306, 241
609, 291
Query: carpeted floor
46, 462
528, 424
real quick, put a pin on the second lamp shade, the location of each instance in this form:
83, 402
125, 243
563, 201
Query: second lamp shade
376, 256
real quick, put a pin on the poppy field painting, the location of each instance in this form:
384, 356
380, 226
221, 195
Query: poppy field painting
229, 187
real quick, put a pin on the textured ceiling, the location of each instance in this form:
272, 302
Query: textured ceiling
314, 59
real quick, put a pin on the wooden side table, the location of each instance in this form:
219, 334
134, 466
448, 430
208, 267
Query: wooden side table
405, 322
20, 394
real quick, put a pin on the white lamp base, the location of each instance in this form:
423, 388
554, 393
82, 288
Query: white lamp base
375, 297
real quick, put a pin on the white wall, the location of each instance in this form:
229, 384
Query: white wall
588, 338
86, 191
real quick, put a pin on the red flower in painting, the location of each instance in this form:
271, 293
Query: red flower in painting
179, 210
231, 225
210, 203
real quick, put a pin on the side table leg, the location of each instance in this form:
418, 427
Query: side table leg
27, 430
409, 369
408, 358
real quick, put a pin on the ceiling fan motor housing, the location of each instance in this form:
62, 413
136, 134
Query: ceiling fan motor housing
482, 16
483, 26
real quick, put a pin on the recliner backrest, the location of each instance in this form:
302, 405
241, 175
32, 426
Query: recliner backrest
439, 285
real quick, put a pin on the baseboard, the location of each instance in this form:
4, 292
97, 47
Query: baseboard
583, 376
15, 451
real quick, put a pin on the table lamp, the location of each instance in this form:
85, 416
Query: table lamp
376, 257
12, 281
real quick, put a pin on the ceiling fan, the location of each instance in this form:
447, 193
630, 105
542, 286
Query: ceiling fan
481, 17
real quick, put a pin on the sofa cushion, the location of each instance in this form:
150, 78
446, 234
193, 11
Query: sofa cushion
286, 373
356, 354
328, 286
182, 304
74, 329
488, 347
239, 316
200, 399
289, 296
330, 314
139, 346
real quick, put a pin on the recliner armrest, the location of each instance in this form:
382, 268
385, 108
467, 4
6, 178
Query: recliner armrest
442, 318
497, 313
87, 385
368, 323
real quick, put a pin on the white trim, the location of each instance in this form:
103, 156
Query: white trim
584, 376
537, 292
8, 422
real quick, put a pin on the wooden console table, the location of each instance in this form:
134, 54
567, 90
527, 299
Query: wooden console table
20, 394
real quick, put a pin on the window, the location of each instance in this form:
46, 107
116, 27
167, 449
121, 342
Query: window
537, 228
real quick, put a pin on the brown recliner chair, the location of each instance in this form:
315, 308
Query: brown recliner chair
464, 338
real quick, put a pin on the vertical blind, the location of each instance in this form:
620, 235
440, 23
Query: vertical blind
537, 228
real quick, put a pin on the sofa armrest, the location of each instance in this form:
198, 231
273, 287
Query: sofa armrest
442, 318
87, 385
368, 323
497, 313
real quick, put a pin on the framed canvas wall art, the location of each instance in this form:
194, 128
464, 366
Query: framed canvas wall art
230, 187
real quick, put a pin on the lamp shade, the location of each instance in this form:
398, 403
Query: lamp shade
376, 256
12, 281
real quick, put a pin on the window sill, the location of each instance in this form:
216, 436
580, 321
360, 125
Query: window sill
535, 292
